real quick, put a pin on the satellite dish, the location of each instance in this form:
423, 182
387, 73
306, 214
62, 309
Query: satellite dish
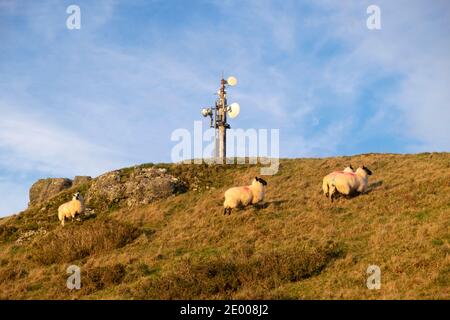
232, 81
206, 112
233, 110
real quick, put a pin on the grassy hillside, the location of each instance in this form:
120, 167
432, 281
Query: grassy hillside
299, 245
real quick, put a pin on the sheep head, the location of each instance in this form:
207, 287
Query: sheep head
77, 196
262, 181
367, 170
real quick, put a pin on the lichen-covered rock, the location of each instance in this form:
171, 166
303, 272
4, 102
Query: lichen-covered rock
106, 188
132, 187
44, 189
27, 236
79, 180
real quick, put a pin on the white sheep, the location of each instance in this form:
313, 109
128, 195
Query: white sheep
350, 183
71, 208
244, 196
327, 179
349, 169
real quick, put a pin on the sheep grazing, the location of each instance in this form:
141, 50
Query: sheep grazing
244, 196
349, 183
327, 179
72, 208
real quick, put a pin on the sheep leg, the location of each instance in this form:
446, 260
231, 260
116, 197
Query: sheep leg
331, 192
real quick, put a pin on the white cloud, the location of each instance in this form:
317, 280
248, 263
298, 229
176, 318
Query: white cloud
304, 67
320, 144
31, 143
413, 46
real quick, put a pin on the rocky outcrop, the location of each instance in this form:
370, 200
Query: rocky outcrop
44, 189
132, 187
79, 180
128, 187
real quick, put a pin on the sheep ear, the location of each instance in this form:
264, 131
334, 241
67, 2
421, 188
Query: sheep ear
367, 170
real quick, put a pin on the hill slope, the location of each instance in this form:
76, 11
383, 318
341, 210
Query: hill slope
297, 246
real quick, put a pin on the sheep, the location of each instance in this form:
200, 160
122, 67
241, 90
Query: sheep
349, 183
71, 208
349, 169
327, 179
244, 196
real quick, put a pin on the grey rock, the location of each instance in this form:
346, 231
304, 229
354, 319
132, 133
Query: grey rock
45, 189
79, 180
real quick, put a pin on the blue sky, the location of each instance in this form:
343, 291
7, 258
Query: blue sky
82, 102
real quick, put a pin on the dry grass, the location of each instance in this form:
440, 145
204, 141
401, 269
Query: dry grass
298, 246
74, 243
221, 277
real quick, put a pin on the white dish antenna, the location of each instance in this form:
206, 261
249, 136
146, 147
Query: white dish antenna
233, 110
206, 112
232, 81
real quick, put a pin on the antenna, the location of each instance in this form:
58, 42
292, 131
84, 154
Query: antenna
218, 117
232, 81
233, 110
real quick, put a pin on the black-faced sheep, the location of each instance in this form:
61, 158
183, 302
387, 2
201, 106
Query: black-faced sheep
347, 183
349, 169
327, 179
71, 208
244, 196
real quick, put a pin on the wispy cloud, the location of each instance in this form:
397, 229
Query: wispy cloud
30, 143
110, 94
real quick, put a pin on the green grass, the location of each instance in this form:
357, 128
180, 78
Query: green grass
297, 246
